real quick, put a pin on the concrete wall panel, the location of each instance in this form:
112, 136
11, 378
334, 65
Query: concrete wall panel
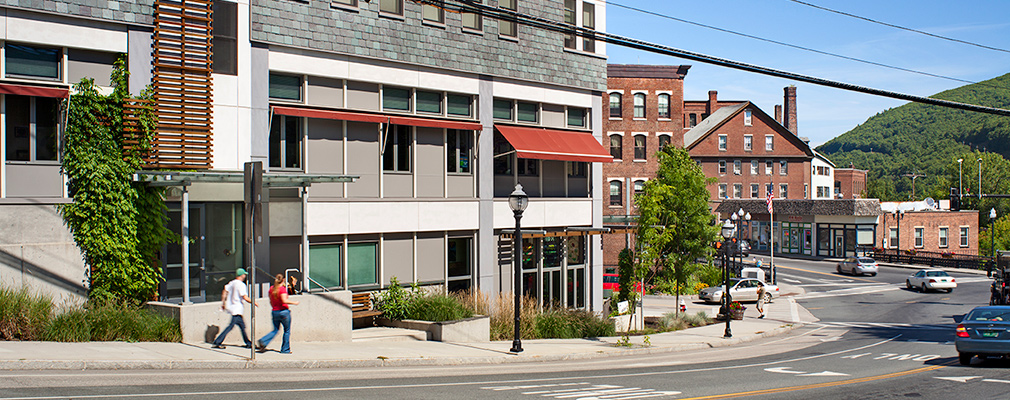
397, 258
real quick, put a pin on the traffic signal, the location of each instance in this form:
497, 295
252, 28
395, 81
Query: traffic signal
955, 200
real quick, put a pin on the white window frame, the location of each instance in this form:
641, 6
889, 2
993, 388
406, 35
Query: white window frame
645, 146
783, 167
769, 142
768, 167
919, 233
747, 116
748, 142
755, 191
634, 104
610, 137
669, 104
964, 231
722, 167
669, 138
723, 142
737, 190
722, 190
754, 168
783, 190
943, 237
737, 167
610, 195
620, 107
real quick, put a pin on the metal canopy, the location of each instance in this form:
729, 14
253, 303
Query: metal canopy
186, 178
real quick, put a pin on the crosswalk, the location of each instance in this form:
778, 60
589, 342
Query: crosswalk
584, 390
883, 325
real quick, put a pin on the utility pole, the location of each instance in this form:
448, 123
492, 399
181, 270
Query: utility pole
913, 176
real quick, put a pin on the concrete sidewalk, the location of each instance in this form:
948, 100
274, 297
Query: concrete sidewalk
365, 350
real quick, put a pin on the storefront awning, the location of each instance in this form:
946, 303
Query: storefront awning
377, 118
37, 91
550, 144
569, 231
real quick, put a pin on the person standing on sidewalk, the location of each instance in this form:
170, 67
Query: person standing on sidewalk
281, 315
231, 302
761, 299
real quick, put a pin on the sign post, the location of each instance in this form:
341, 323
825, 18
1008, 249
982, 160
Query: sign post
253, 181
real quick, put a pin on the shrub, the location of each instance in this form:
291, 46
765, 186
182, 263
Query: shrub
675, 322
554, 323
437, 308
395, 302
23, 314
114, 320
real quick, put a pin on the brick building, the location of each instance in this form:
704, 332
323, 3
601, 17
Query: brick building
850, 183
918, 226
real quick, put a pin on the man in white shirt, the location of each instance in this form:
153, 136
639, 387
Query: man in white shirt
231, 302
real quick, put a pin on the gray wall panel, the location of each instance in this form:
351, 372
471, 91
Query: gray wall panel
397, 185
325, 92
90, 64
34, 180
430, 256
397, 258
460, 186
554, 178
326, 155
140, 59
285, 253
554, 116
260, 104
363, 96
363, 159
430, 162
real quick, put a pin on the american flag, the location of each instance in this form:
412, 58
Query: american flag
769, 201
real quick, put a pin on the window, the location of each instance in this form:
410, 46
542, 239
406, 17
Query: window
639, 105
746, 117
362, 265
806, 188
433, 13
664, 106
396, 153
615, 193
615, 105
768, 143
639, 187
737, 190
748, 142
507, 26
918, 237
723, 142
892, 238
395, 98
458, 149
428, 102
527, 112
458, 263
753, 167
964, 236
527, 167
325, 260
225, 39
31, 128
664, 140
35, 62
285, 87
736, 167
768, 167
391, 6
692, 120
615, 146
577, 117
754, 190
943, 237
783, 167
352, 3
577, 169
769, 188
473, 20
570, 20
783, 191
286, 142
722, 190
639, 147
589, 22
458, 104
502, 109
722, 167
503, 157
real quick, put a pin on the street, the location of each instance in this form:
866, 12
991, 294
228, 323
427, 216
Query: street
875, 339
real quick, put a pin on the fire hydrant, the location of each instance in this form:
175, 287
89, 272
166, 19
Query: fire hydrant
683, 306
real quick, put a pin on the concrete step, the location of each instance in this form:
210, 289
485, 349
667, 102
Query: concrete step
386, 334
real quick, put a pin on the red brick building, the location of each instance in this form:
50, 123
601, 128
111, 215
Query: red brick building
916, 226
850, 183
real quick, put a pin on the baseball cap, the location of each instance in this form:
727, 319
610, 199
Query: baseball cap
240, 272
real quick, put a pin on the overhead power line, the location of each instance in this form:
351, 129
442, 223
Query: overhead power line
555, 26
900, 27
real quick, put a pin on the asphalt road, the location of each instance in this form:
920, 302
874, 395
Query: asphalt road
875, 340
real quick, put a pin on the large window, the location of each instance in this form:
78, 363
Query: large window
503, 159
362, 264
391, 6
325, 260
615, 193
892, 238
458, 105
943, 236
458, 151
737, 190
428, 102
783, 191
570, 15
964, 236
616, 148
589, 22
394, 98
722, 190
502, 109
615, 105
527, 112
664, 140
473, 20
692, 120
664, 105
918, 237
639, 147
285, 87
768, 167
433, 13
639, 186
753, 167
286, 142
507, 26
225, 37
396, 154
32, 130
527, 166
459, 263
639, 105
577, 117
34, 62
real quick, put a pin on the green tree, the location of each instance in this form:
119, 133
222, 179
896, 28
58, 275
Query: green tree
626, 276
1000, 229
674, 225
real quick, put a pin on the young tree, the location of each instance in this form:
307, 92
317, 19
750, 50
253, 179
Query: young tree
674, 224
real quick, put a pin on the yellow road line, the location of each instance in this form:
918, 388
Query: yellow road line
821, 385
826, 273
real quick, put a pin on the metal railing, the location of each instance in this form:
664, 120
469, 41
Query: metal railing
932, 259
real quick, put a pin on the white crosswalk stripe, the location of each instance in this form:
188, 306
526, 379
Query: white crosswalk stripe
883, 325
585, 390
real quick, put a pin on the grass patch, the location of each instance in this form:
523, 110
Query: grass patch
438, 308
552, 323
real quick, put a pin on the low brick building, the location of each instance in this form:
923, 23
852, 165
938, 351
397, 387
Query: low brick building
921, 227
850, 183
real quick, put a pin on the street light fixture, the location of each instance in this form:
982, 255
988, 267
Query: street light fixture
518, 202
980, 178
992, 240
727, 232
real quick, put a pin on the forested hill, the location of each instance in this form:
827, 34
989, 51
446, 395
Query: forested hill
924, 139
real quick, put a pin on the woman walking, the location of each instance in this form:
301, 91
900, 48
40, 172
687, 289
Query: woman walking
281, 315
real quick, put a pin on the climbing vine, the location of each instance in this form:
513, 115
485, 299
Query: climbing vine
118, 224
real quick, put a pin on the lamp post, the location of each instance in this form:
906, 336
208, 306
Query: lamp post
518, 202
992, 232
727, 232
746, 217
735, 249
960, 185
980, 179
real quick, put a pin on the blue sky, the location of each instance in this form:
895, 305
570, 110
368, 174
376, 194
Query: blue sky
823, 113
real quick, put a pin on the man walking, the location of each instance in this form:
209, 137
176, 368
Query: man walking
231, 302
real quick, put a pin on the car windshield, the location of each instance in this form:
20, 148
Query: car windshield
866, 261
936, 273
988, 315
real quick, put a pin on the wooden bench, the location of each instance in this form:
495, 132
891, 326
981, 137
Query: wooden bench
361, 306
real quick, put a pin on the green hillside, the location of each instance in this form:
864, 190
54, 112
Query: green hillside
925, 139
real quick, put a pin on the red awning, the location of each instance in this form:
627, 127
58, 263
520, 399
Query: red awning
37, 91
379, 118
549, 144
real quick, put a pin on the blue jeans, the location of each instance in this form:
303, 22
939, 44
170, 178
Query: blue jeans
236, 320
282, 317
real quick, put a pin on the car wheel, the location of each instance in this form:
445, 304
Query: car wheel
839, 269
964, 358
908, 285
873, 274
923, 288
768, 298
950, 290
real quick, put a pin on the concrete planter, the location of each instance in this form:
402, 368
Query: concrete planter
469, 330
625, 323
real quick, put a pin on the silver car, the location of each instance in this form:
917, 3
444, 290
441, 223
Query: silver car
858, 266
984, 331
740, 290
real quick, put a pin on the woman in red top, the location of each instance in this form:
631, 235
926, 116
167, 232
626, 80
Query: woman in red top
281, 316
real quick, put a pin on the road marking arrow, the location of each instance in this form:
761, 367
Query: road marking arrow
962, 379
784, 370
792, 280
826, 373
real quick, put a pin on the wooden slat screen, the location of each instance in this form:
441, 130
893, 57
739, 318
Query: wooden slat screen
182, 84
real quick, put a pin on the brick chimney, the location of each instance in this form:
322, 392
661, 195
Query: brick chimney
713, 102
778, 113
789, 103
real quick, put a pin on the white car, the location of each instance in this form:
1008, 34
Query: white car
931, 279
740, 290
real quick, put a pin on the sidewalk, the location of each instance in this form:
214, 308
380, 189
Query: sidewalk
783, 316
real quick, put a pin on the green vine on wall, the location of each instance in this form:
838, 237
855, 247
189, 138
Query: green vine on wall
119, 225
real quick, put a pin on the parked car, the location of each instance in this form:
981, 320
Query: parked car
984, 331
742, 248
858, 265
931, 279
740, 290
612, 282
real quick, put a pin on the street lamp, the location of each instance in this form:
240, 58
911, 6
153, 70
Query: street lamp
992, 240
727, 232
518, 202
960, 186
980, 178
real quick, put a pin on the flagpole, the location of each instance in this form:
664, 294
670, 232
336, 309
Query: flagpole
771, 220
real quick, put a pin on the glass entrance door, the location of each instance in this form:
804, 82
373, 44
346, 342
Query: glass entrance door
172, 287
